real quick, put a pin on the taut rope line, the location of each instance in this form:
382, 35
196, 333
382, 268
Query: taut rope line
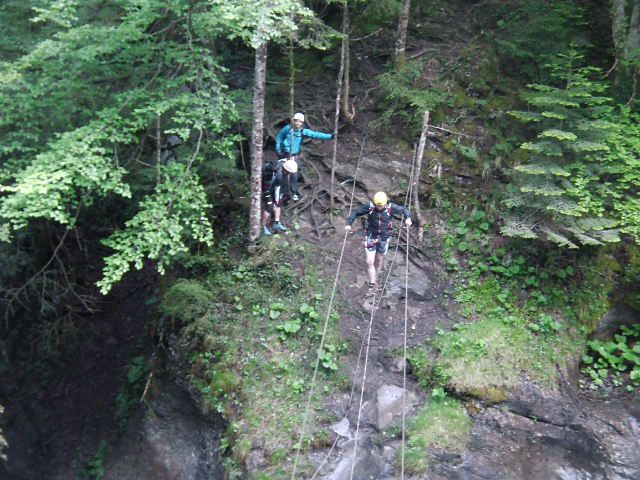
404, 351
326, 323
369, 329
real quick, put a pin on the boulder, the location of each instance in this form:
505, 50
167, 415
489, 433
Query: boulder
167, 439
369, 465
389, 405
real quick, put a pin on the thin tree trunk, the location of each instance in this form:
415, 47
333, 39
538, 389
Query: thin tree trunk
401, 37
292, 78
633, 45
335, 129
346, 113
416, 176
633, 35
257, 140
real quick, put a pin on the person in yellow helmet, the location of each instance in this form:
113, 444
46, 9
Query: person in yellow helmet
378, 228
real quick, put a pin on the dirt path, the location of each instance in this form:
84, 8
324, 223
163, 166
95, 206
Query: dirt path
426, 286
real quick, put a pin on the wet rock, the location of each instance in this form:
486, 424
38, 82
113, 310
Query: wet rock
614, 319
546, 434
342, 428
168, 439
389, 404
419, 285
369, 465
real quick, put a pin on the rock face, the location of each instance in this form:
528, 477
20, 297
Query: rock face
540, 434
369, 465
389, 405
168, 440
614, 319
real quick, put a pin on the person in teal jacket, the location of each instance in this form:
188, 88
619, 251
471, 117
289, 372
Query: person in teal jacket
289, 143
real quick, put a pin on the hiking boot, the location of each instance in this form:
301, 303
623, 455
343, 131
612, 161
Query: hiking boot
371, 290
266, 232
295, 197
279, 226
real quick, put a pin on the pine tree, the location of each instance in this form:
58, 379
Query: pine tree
557, 193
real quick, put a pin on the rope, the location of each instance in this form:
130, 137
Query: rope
369, 329
406, 315
326, 322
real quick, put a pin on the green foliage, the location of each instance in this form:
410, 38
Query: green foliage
129, 397
525, 310
175, 213
563, 190
614, 363
536, 32
97, 80
443, 423
407, 95
96, 469
187, 300
256, 374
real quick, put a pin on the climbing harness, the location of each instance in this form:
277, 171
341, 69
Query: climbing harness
368, 343
369, 242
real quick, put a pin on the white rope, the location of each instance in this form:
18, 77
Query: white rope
368, 342
326, 322
404, 352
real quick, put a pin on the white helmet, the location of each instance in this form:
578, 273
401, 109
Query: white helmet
299, 116
290, 166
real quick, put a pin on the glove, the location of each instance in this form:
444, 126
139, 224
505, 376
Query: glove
408, 222
347, 228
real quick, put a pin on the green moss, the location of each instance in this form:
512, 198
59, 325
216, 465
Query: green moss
487, 358
187, 301
258, 381
440, 423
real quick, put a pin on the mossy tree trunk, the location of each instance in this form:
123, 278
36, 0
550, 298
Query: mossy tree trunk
401, 37
632, 47
335, 128
257, 140
416, 174
347, 113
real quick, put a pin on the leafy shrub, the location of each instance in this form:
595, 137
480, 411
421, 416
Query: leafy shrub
187, 300
615, 362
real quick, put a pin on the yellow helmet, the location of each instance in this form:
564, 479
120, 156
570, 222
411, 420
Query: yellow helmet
380, 199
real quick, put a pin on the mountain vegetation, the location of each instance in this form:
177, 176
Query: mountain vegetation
133, 135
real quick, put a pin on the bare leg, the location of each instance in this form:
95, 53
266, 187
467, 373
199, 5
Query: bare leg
371, 269
276, 214
378, 263
265, 218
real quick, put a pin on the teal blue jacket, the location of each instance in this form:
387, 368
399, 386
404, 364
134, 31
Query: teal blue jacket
283, 140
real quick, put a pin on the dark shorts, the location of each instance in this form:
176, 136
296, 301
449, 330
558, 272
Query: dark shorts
269, 202
376, 244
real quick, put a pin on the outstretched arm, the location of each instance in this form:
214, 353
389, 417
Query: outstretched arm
319, 135
358, 212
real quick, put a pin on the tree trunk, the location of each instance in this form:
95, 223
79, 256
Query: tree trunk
633, 45
257, 140
346, 113
633, 35
416, 175
401, 37
335, 129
